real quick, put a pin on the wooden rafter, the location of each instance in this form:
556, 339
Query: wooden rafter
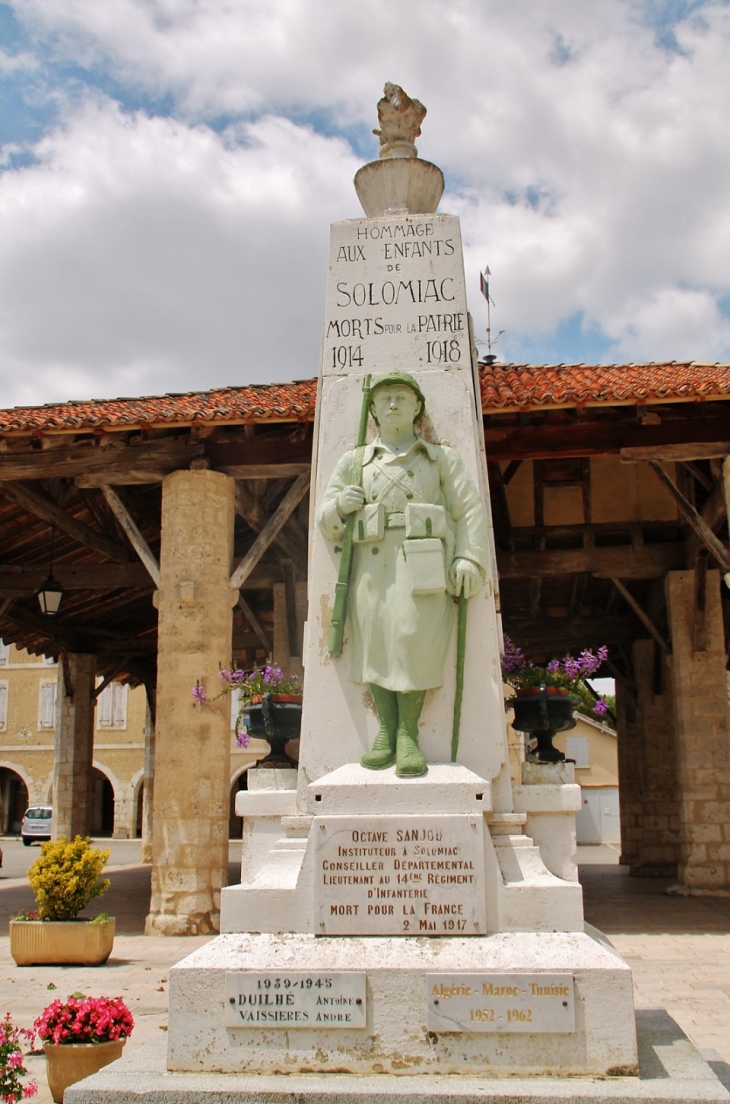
136, 539
650, 561
257, 517
43, 508
273, 527
716, 548
642, 615
255, 624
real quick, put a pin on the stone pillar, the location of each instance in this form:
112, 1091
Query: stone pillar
74, 748
649, 793
193, 743
148, 782
702, 733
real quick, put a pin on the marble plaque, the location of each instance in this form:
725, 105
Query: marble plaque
516, 1002
396, 296
399, 875
292, 998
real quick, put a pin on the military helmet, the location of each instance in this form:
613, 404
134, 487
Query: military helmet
397, 377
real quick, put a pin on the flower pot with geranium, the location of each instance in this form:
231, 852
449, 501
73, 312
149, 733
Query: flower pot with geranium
80, 1036
270, 708
545, 697
64, 879
12, 1068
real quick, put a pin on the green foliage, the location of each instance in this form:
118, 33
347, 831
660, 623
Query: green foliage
66, 877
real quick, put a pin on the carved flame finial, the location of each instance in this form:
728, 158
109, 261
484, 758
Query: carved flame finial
400, 120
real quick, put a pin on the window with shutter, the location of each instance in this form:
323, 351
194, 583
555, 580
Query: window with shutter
3, 706
119, 704
104, 707
576, 747
47, 711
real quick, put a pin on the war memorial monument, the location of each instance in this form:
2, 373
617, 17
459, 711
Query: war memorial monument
408, 923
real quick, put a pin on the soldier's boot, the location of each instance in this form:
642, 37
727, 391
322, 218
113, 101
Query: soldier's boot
382, 754
410, 762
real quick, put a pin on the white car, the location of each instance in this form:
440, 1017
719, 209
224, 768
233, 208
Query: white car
36, 824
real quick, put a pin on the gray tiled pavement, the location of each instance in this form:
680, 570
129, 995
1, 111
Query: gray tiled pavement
678, 948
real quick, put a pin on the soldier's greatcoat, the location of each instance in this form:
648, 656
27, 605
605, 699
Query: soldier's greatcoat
398, 639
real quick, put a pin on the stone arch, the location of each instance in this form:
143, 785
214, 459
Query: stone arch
105, 789
136, 786
15, 791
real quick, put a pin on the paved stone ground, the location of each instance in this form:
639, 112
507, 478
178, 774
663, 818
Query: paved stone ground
678, 948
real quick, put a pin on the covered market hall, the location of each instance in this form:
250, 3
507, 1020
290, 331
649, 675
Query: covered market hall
177, 525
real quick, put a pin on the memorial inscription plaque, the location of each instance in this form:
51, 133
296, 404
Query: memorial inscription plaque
517, 1002
396, 295
407, 875
292, 998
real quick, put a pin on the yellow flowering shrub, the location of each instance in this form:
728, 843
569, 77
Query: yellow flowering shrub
65, 877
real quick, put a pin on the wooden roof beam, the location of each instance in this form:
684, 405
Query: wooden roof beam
136, 539
271, 530
43, 508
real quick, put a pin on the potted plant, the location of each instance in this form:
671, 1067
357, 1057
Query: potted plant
64, 879
546, 696
80, 1036
270, 708
12, 1069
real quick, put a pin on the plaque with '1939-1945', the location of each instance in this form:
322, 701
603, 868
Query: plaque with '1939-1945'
295, 999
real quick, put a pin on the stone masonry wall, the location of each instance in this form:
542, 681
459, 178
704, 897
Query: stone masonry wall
703, 734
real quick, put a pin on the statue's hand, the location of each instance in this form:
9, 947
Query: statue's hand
349, 500
464, 573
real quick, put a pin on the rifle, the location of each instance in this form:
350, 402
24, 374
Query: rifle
339, 612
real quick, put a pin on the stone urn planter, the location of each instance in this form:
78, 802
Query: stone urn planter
61, 942
542, 711
276, 718
67, 1063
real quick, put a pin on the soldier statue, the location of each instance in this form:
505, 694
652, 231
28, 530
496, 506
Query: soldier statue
421, 538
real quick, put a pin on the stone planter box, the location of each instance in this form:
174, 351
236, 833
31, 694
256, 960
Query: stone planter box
61, 943
71, 1062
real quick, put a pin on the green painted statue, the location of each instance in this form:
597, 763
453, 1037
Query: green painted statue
420, 537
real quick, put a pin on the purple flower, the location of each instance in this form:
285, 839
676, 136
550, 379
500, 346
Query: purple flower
199, 694
224, 675
601, 708
243, 739
572, 667
553, 667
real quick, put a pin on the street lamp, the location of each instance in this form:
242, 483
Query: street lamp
50, 594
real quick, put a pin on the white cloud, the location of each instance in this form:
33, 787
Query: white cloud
145, 255
588, 163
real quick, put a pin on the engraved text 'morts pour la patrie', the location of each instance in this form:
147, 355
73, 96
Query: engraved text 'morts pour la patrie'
399, 876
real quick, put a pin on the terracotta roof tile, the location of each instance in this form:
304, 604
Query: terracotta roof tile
257, 403
515, 386
504, 387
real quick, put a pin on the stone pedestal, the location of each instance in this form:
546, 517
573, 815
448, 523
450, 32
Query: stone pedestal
271, 795
702, 733
550, 799
372, 864
74, 748
192, 752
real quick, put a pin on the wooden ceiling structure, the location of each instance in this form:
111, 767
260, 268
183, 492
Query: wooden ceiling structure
80, 483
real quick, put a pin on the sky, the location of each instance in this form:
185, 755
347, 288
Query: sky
169, 170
